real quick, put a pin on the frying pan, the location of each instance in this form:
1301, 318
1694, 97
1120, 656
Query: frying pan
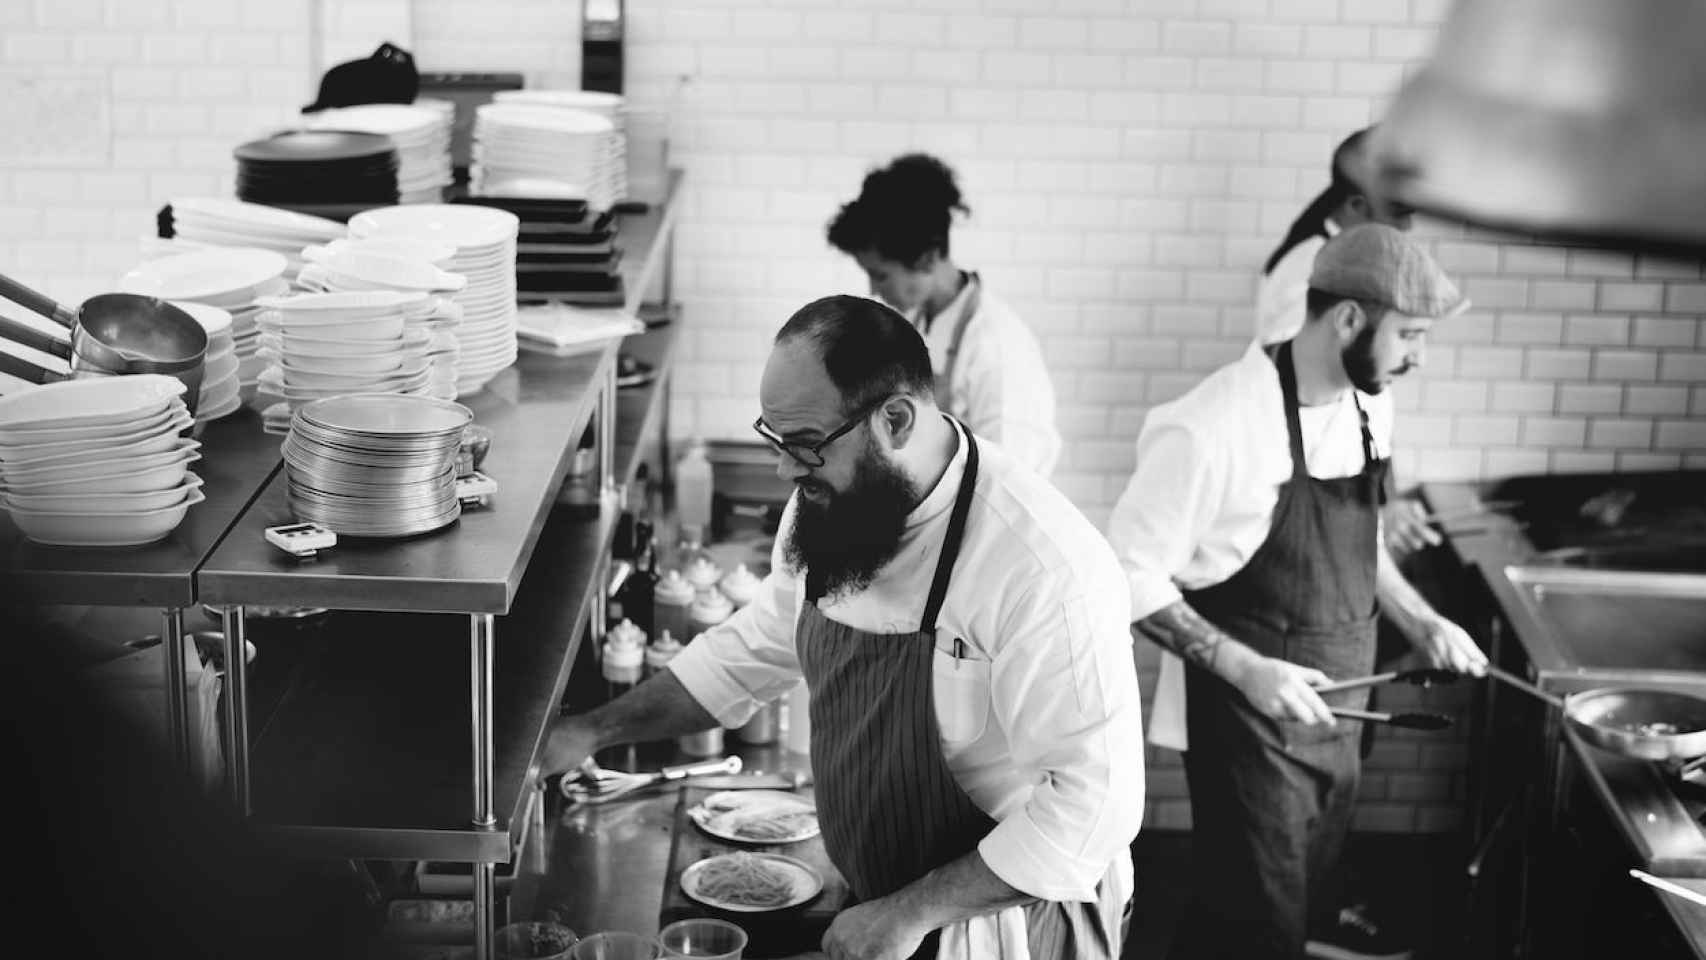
1621, 719
116, 333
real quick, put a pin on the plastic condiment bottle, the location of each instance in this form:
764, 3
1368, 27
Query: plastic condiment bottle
671, 599
663, 649
739, 585
709, 608
624, 658
703, 573
706, 743
693, 489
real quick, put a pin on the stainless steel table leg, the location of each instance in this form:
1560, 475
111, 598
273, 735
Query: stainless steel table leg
177, 692
237, 708
481, 640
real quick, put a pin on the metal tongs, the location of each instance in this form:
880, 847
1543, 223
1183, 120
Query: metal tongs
1424, 677
592, 784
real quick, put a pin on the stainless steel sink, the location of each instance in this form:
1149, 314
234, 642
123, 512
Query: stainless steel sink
1681, 557
1585, 628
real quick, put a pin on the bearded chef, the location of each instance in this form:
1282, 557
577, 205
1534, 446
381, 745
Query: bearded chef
964, 634
1249, 535
988, 366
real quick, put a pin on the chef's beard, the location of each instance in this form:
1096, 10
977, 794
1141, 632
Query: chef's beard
1358, 360
845, 542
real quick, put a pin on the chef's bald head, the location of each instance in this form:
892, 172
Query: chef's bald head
868, 349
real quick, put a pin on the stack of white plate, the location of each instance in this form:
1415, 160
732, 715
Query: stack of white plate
218, 221
375, 465
484, 239
98, 463
320, 345
538, 151
611, 106
421, 133
221, 386
230, 278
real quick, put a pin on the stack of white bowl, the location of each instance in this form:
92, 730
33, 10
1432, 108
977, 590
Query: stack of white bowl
542, 151
220, 387
611, 106
484, 239
223, 222
421, 133
98, 462
320, 345
342, 265
230, 278
369, 465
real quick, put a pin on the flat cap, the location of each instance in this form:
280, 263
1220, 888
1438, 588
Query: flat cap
1372, 261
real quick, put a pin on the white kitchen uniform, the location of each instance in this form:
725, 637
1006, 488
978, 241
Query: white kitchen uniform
1037, 717
1209, 468
998, 385
1280, 296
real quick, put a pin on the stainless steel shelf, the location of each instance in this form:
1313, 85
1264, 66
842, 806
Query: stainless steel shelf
642, 411
536, 412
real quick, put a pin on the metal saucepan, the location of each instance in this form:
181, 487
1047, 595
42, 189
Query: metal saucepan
1667, 726
120, 333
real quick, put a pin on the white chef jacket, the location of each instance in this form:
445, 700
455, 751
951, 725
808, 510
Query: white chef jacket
999, 385
1201, 501
1280, 296
1037, 723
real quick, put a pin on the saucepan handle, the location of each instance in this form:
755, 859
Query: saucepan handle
25, 370
37, 302
27, 336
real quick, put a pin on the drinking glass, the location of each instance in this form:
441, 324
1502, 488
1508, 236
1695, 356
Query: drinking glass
615, 945
533, 941
702, 939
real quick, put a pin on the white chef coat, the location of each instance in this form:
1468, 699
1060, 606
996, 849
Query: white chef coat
1201, 501
999, 385
1037, 722
1280, 296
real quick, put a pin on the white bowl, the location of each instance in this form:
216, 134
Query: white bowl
465, 225
217, 394
313, 379
387, 327
368, 365
113, 460
116, 429
103, 529
86, 402
125, 477
215, 320
103, 502
159, 435
218, 369
387, 271
373, 302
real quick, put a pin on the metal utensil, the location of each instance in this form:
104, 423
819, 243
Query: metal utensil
1487, 508
1424, 677
598, 785
1615, 718
1410, 721
754, 781
1676, 889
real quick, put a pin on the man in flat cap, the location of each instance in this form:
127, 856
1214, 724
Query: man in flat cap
1250, 539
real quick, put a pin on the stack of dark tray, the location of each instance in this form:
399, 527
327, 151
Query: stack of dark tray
326, 173
566, 251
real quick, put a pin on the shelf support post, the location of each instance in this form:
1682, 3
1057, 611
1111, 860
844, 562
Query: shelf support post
481, 644
237, 707
177, 697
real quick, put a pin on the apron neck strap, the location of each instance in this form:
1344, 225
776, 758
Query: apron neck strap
1281, 356
956, 533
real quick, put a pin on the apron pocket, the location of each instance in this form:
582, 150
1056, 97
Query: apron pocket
961, 690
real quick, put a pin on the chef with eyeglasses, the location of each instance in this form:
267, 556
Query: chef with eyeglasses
964, 634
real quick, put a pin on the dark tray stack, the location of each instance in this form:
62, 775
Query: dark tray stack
566, 252
325, 173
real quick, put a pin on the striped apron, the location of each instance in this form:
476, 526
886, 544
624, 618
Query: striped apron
889, 806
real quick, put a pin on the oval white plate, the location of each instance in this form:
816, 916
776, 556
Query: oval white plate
201, 274
81, 403
806, 883
723, 814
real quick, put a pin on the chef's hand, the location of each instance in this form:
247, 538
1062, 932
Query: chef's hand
1284, 690
1448, 646
568, 744
1407, 529
875, 930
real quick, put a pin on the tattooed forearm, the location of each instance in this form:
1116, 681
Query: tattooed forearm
1183, 631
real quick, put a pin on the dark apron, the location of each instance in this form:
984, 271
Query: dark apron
1271, 800
889, 807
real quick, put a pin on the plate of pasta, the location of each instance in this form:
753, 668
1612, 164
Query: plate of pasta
751, 882
756, 816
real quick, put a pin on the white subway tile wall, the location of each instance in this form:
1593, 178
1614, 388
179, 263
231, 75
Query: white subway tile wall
1129, 164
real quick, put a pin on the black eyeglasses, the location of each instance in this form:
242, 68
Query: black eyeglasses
811, 455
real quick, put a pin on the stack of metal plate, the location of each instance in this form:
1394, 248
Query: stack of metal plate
375, 464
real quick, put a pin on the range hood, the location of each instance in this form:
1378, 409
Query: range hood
1581, 120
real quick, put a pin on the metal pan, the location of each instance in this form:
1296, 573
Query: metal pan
120, 333
1667, 726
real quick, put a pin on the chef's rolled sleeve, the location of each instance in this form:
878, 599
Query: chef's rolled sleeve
1065, 691
749, 659
1166, 508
